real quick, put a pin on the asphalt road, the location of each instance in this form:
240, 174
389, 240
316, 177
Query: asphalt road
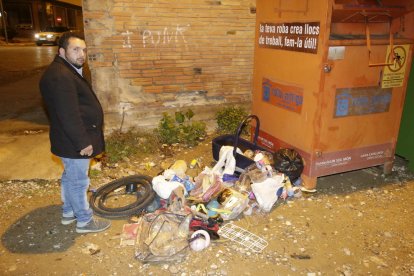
19, 61
20, 71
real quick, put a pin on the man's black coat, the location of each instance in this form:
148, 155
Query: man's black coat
75, 114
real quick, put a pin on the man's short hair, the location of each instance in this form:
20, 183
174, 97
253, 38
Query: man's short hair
64, 39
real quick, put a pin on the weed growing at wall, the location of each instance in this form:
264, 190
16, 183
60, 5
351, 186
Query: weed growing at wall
180, 129
124, 144
229, 118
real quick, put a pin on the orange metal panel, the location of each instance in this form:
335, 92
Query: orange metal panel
289, 68
329, 103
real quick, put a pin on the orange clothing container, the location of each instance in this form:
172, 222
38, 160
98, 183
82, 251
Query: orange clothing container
330, 80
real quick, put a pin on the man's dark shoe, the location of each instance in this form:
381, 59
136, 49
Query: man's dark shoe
95, 225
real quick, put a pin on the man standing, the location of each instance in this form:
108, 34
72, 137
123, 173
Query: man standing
76, 135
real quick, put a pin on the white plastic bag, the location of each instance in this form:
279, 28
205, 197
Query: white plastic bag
265, 192
164, 188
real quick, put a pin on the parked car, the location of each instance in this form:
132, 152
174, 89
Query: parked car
50, 35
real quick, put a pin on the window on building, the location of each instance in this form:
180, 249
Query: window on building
71, 18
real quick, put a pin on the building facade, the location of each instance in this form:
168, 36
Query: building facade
149, 57
28, 16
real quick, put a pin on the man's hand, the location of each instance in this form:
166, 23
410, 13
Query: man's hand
87, 151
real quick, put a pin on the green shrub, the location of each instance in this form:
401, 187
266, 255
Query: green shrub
229, 118
192, 133
125, 144
180, 129
167, 130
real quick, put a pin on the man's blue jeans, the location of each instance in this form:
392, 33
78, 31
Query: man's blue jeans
74, 185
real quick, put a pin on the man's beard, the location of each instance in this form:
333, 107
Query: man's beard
77, 65
74, 64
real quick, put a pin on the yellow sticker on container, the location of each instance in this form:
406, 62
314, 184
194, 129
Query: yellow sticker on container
395, 72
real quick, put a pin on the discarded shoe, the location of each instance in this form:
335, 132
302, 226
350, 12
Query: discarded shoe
94, 226
303, 189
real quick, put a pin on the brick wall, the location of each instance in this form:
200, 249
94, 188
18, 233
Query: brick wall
147, 57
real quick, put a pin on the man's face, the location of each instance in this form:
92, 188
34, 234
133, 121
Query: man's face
75, 52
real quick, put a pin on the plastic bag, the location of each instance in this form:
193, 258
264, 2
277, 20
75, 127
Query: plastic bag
289, 162
265, 192
207, 186
162, 237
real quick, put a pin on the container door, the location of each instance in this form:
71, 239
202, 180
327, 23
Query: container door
363, 91
359, 118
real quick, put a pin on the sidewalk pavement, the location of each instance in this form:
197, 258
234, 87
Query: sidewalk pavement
28, 156
24, 140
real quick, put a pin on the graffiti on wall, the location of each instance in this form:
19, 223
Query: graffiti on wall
166, 36
155, 38
127, 39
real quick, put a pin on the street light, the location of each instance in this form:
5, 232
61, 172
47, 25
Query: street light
3, 18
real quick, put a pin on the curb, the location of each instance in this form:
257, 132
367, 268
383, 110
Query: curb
4, 44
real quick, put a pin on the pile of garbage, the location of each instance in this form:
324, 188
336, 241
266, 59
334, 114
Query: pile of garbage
190, 212
223, 192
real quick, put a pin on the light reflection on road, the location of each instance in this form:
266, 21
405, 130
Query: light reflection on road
25, 58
